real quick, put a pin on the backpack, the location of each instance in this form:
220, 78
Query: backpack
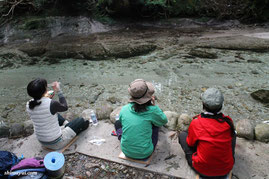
7, 160
28, 166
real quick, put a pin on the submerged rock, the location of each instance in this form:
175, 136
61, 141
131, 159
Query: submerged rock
202, 54
262, 132
172, 118
261, 95
245, 129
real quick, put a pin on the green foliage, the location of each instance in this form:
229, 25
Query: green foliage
104, 9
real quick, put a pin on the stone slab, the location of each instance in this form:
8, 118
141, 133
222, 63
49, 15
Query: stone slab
252, 157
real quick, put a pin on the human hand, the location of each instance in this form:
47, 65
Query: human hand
56, 86
153, 100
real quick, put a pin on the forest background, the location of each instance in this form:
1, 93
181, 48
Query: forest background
247, 11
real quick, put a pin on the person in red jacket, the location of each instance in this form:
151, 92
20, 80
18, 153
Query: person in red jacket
210, 141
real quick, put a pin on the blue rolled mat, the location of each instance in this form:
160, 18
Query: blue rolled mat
54, 164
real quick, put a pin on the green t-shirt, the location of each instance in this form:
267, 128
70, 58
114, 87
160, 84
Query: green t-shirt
136, 139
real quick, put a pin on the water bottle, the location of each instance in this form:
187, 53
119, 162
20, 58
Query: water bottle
117, 117
94, 118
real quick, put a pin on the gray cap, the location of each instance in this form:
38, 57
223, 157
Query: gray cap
212, 98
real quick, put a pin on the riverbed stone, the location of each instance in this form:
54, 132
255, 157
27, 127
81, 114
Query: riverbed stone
202, 54
114, 113
183, 123
245, 129
261, 95
4, 129
262, 132
28, 127
103, 112
17, 130
172, 118
86, 114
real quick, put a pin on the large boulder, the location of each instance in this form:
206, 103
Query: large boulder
28, 127
242, 43
172, 118
86, 48
262, 132
183, 123
261, 95
103, 112
4, 129
114, 113
202, 54
245, 129
17, 130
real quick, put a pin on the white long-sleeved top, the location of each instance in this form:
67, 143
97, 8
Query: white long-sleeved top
46, 125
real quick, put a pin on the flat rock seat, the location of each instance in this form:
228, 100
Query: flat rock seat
143, 161
229, 176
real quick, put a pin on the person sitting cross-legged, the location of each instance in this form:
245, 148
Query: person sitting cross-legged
139, 121
51, 129
210, 141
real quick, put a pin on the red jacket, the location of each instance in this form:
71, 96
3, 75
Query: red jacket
214, 155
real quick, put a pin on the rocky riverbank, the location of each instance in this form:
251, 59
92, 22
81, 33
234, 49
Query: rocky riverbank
95, 63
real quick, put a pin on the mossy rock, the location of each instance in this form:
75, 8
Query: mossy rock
34, 23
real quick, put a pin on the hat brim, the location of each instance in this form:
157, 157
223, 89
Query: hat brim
146, 97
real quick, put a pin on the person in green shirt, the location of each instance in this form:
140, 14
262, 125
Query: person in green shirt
139, 121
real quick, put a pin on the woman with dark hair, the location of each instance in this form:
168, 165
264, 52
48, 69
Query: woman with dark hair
51, 129
210, 141
139, 121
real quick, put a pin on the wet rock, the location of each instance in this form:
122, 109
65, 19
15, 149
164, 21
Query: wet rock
172, 120
113, 100
93, 98
202, 54
261, 95
114, 113
183, 122
242, 43
254, 61
162, 70
129, 50
245, 129
33, 49
4, 129
262, 132
17, 130
104, 111
28, 127
5, 64
255, 72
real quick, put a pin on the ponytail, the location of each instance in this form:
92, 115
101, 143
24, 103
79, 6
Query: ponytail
36, 90
34, 103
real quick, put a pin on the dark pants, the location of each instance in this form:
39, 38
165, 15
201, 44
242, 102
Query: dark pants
190, 150
154, 137
77, 125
